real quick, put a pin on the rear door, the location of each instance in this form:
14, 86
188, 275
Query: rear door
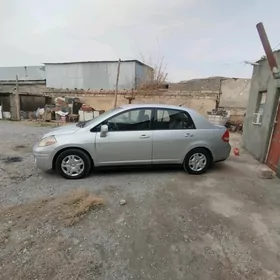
128, 141
174, 130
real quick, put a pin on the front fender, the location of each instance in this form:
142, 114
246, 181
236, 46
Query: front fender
85, 141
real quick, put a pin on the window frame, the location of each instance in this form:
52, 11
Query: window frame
171, 109
95, 128
260, 108
261, 105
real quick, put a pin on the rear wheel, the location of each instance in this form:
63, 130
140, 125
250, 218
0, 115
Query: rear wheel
73, 164
197, 161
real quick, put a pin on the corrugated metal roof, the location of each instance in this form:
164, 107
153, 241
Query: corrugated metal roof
99, 61
91, 75
263, 58
24, 73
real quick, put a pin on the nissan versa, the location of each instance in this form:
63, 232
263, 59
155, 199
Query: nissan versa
138, 134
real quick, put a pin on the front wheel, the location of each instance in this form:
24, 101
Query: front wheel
73, 164
197, 161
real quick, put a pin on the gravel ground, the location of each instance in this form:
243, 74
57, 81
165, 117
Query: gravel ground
221, 225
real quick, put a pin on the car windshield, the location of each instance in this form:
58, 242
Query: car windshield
87, 123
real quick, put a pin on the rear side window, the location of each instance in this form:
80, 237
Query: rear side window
166, 119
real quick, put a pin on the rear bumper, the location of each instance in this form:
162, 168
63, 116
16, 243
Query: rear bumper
223, 153
43, 157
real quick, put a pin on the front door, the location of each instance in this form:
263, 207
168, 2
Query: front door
174, 130
128, 141
273, 158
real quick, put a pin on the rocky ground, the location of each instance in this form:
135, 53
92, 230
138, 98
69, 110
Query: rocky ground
221, 225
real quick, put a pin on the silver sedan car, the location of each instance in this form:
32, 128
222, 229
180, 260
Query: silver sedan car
135, 134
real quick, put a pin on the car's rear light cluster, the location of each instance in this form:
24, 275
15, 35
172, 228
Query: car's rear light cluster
225, 137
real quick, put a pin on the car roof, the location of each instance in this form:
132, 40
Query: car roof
166, 106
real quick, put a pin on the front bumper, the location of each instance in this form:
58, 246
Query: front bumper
43, 157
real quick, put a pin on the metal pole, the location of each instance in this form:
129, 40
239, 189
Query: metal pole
117, 84
17, 100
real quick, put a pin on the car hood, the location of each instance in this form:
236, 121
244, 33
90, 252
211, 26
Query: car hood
65, 129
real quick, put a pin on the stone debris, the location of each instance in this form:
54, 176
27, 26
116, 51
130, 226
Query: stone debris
122, 202
265, 173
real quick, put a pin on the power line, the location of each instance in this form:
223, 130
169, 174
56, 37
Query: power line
276, 46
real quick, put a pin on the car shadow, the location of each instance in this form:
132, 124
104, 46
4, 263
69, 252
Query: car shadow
225, 168
217, 167
136, 169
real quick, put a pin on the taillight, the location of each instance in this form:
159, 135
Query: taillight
225, 137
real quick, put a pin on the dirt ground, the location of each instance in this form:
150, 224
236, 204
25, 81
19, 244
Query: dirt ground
223, 225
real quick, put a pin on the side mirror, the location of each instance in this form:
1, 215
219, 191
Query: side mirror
103, 130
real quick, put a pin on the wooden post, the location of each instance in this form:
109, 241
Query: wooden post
268, 51
117, 84
130, 98
17, 100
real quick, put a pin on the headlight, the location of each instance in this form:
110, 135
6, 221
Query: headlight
48, 141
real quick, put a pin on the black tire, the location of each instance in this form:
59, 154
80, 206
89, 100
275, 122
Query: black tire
86, 166
202, 151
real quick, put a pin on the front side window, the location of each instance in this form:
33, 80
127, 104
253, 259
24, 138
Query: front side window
137, 119
172, 119
101, 116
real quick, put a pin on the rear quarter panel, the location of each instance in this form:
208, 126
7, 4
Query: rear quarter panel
212, 140
220, 149
209, 136
203, 138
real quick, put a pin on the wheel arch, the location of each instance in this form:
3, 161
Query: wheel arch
69, 148
201, 147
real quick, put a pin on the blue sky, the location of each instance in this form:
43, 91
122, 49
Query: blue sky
198, 38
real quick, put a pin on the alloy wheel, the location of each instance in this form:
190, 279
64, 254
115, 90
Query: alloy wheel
72, 165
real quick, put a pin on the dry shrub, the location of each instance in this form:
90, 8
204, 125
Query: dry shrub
156, 78
67, 209
32, 243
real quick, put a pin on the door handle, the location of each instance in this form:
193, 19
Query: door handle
144, 136
188, 135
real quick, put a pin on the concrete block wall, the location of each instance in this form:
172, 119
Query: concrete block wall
13, 107
201, 104
104, 100
204, 84
24, 87
235, 93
